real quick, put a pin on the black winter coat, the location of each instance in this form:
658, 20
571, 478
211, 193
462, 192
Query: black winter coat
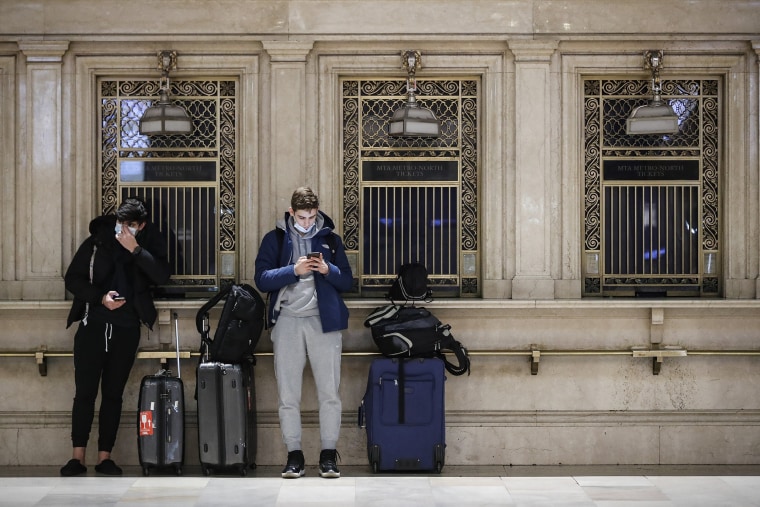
114, 265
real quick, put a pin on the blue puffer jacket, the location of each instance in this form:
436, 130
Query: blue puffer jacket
274, 271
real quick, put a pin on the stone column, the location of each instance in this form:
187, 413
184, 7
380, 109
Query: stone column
756, 47
39, 203
533, 176
287, 132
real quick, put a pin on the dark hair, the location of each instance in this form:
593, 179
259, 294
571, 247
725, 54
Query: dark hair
304, 198
132, 209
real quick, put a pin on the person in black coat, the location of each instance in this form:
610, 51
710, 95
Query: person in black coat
110, 276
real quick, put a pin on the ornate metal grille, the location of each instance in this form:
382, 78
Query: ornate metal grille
188, 181
409, 199
651, 201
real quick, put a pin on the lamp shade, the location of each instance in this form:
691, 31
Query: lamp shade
652, 118
165, 118
411, 120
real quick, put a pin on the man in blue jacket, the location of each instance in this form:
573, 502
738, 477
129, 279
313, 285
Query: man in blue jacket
303, 266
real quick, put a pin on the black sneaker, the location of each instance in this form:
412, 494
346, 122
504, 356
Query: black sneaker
295, 466
72, 468
108, 467
328, 464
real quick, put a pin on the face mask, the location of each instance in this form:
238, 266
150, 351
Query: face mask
117, 228
302, 230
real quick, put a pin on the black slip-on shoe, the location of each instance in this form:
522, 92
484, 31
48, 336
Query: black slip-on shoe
294, 468
107, 467
72, 468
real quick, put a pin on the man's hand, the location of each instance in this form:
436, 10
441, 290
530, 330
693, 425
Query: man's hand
127, 239
109, 302
305, 264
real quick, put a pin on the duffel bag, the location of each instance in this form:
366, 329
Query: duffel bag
413, 331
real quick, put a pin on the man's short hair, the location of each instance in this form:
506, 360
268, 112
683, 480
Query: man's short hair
132, 209
304, 198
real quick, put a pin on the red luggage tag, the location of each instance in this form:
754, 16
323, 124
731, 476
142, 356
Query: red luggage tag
146, 423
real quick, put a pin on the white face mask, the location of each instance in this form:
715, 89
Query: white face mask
302, 230
117, 228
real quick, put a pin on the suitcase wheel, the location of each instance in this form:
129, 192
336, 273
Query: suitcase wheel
243, 470
439, 452
206, 470
178, 469
146, 471
373, 453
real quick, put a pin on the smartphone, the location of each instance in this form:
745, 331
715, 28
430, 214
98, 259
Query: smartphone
313, 254
118, 298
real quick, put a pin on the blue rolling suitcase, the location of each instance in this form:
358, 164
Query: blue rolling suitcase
403, 411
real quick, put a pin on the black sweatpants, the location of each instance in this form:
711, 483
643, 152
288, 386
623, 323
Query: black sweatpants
103, 355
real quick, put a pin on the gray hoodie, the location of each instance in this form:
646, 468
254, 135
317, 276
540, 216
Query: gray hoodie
300, 299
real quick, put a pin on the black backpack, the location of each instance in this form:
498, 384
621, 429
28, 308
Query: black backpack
411, 284
239, 329
412, 331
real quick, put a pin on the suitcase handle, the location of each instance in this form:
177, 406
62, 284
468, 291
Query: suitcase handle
361, 416
176, 340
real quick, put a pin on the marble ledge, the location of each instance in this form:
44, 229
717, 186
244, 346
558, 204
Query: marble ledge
11, 307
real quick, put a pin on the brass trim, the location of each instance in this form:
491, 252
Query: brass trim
534, 354
634, 352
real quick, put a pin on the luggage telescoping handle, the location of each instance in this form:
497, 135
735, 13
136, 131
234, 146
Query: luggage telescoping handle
205, 338
176, 340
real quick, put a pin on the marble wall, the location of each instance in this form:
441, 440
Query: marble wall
593, 399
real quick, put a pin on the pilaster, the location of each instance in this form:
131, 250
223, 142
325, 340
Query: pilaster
287, 125
7, 173
39, 205
754, 114
533, 178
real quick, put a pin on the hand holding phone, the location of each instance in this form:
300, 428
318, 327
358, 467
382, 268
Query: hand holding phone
117, 297
312, 255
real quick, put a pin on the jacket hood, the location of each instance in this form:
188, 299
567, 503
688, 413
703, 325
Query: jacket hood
103, 221
102, 228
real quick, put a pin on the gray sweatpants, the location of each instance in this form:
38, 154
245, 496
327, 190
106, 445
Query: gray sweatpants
295, 338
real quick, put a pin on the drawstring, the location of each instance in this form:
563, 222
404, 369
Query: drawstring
107, 333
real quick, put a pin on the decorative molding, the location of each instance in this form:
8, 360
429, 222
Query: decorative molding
287, 51
533, 50
454, 418
43, 51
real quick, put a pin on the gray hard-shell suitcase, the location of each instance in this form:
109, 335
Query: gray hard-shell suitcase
226, 417
161, 419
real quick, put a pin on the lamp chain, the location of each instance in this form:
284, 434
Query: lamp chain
167, 61
653, 61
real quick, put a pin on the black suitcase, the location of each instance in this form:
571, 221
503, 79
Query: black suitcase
161, 419
226, 417
403, 411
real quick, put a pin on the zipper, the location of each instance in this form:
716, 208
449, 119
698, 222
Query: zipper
222, 445
162, 419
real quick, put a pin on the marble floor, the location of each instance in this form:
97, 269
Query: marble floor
460, 486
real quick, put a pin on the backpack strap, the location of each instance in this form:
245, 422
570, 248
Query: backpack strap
201, 318
92, 266
463, 360
380, 314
